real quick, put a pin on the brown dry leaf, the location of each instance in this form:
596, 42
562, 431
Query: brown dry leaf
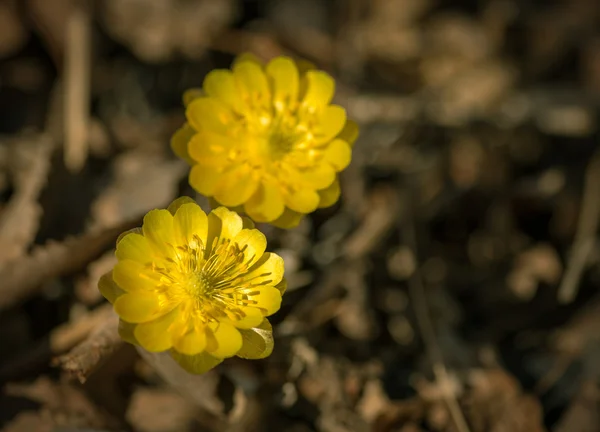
540, 263
158, 30
63, 405
495, 403
151, 179
159, 410
30, 163
24, 277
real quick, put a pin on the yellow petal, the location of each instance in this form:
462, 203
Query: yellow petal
319, 176
137, 230
320, 88
304, 66
282, 286
330, 195
209, 114
126, 331
247, 57
108, 288
180, 140
303, 201
251, 318
131, 276
196, 364
154, 336
220, 84
329, 123
338, 154
158, 229
252, 83
257, 343
254, 241
268, 298
268, 270
349, 133
289, 219
138, 308
204, 179
192, 94
191, 343
135, 247
222, 224
190, 225
285, 81
228, 340
247, 223
266, 204
236, 186
174, 206
209, 148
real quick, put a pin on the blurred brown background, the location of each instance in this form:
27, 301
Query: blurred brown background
453, 288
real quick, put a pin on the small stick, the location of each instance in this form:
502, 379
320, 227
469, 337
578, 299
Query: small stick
585, 238
77, 85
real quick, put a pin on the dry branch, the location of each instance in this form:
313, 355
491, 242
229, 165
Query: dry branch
99, 345
26, 276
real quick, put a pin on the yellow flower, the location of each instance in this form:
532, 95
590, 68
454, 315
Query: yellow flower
266, 138
197, 285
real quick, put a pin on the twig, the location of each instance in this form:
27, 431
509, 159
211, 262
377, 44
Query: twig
25, 277
421, 307
99, 345
77, 85
585, 238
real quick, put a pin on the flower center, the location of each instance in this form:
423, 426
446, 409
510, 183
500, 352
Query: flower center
210, 286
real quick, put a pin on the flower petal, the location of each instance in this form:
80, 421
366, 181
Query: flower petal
196, 364
252, 83
126, 331
266, 204
174, 206
138, 308
252, 317
255, 243
158, 229
137, 230
320, 88
220, 84
228, 340
154, 336
349, 133
131, 276
236, 186
209, 148
190, 224
282, 286
192, 94
204, 179
257, 342
338, 154
268, 298
135, 247
329, 195
180, 140
289, 219
108, 288
303, 200
222, 224
329, 123
317, 177
209, 114
191, 343
247, 57
268, 270
285, 81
